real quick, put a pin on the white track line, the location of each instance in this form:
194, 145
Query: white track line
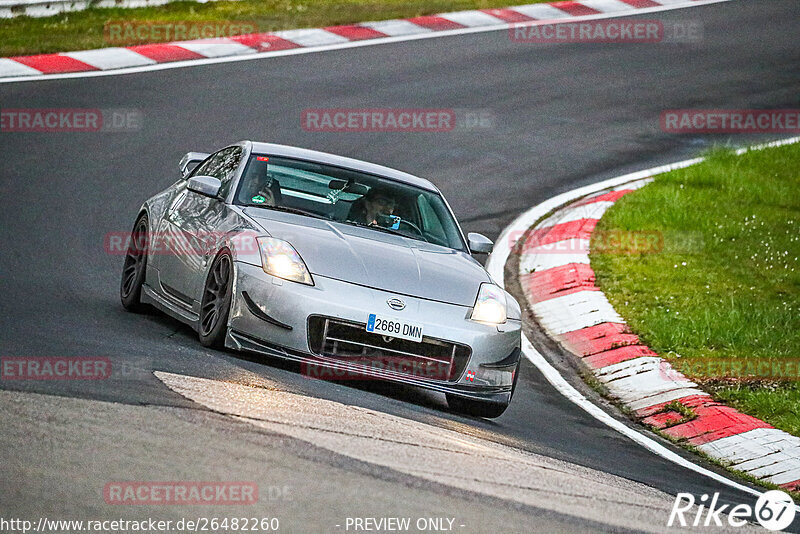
496, 265
352, 44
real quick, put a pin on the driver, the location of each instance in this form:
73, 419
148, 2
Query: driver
265, 192
368, 208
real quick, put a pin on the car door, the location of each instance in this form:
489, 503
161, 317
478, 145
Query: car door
192, 226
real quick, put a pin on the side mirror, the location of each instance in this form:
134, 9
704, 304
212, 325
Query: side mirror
190, 161
479, 244
205, 185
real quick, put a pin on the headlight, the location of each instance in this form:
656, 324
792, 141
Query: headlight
280, 259
490, 306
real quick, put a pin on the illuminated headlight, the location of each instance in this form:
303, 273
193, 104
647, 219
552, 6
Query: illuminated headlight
280, 259
490, 306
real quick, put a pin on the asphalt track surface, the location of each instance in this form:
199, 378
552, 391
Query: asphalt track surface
564, 116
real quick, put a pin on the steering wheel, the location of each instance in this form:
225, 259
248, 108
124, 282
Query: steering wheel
413, 227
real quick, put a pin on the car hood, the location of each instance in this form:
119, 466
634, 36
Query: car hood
375, 259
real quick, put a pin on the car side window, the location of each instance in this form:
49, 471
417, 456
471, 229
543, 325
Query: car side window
222, 166
430, 221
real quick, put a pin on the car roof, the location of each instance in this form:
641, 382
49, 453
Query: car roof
272, 149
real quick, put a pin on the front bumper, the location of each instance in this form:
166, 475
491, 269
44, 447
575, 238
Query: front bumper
279, 326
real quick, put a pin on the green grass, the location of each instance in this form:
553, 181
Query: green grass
725, 288
84, 29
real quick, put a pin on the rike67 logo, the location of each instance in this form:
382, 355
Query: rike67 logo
774, 510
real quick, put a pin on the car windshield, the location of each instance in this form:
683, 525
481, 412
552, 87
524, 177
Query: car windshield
348, 197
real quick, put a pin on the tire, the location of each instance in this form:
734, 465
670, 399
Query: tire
216, 302
479, 408
134, 267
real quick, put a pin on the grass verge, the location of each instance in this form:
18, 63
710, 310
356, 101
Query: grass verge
84, 30
721, 298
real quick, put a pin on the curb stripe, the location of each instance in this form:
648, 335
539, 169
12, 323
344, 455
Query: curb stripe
355, 32
496, 267
640, 4
472, 19
573, 311
714, 421
543, 258
311, 37
574, 229
590, 210
611, 196
396, 27
650, 411
110, 58
264, 41
618, 355
559, 281
164, 53
11, 68
762, 450
507, 15
575, 9
606, 6
54, 63
598, 338
435, 23
542, 12
145, 58
215, 47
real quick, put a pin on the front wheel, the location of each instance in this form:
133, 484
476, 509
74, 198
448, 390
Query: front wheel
216, 304
133, 269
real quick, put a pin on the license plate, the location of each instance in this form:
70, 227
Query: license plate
392, 327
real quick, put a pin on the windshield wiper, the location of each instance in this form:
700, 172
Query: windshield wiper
287, 209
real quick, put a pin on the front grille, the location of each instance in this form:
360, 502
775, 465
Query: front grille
431, 359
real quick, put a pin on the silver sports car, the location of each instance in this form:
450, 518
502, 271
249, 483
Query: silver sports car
355, 270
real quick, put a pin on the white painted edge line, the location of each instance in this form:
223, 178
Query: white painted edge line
349, 44
496, 265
